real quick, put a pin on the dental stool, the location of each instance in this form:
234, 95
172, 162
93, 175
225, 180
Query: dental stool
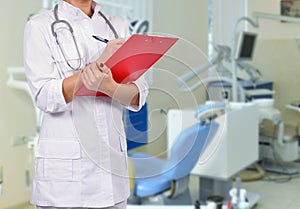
166, 182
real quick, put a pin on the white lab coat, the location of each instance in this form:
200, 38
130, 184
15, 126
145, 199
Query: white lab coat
81, 154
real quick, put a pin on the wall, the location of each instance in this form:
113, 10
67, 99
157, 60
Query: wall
225, 15
133, 10
16, 111
272, 29
277, 56
278, 61
187, 20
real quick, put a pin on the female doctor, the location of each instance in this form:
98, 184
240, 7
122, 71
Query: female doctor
60, 55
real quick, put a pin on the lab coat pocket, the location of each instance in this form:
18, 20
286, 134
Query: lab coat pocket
123, 144
58, 160
121, 168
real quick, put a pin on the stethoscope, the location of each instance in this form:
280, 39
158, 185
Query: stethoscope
57, 21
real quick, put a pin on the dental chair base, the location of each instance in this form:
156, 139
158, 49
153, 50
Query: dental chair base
209, 186
277, 158
286, 169
162, 199
278, 147
179, 194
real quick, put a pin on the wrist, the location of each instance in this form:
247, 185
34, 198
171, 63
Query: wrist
102, 58
111, 88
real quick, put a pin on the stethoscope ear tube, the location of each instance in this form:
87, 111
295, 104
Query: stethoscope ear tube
53, 30
57, 21
55, 12
109, 24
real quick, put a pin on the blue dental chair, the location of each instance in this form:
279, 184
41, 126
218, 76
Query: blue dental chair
168, 179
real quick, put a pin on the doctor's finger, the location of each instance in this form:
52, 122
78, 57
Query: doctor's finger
88, 74
98, 73
95, 69
117, 41
85, 80
115, 44
103, 68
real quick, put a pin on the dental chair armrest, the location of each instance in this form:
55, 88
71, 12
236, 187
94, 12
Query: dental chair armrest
210, 110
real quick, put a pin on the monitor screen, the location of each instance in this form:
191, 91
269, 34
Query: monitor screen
245, 46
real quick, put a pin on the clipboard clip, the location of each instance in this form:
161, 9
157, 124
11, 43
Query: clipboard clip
150, 40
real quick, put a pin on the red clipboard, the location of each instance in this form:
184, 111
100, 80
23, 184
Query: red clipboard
133, 59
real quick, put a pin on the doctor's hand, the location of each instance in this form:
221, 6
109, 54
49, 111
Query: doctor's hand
111, 47
98, 77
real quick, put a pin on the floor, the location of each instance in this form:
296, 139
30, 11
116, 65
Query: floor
276, 195
276, 191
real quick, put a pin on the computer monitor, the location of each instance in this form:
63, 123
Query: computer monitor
245, 46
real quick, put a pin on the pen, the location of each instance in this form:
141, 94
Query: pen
100, 39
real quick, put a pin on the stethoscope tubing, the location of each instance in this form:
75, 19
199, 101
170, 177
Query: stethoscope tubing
70, 28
